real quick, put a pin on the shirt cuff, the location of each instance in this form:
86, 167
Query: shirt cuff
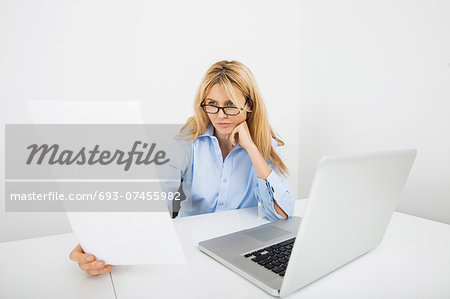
275, 189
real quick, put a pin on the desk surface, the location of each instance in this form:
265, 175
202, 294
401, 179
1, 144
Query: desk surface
41, 268
413, 261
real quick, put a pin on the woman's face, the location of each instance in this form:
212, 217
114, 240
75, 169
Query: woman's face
224, 124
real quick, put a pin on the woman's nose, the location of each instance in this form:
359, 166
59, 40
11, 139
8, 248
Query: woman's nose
221, 114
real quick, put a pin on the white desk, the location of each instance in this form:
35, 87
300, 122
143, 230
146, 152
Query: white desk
413, 261
41, 268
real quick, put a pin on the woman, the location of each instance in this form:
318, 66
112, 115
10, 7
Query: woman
234, 163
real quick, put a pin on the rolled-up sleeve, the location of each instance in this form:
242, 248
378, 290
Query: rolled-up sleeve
277, 189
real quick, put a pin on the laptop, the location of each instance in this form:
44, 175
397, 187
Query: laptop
351, 202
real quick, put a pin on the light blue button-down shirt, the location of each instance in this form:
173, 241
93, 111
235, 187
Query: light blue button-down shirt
217, 185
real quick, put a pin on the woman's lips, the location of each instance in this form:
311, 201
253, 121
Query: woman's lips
223, 125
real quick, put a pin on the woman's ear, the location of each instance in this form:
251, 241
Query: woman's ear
249, 104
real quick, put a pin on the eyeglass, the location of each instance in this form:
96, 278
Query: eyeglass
213, 109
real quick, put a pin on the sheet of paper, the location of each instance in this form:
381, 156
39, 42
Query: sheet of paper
118, 238
128, 238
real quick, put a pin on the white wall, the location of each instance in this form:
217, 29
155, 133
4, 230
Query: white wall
376, 76
152, 51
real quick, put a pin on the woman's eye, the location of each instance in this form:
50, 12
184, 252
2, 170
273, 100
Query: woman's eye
230, 104
211, 103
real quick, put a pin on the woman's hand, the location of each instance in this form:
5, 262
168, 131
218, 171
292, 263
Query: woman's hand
88, 263
243, 136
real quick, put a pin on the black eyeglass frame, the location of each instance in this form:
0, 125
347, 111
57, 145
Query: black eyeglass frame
223, 108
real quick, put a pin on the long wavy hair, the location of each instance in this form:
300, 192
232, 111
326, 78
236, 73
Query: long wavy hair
229, 73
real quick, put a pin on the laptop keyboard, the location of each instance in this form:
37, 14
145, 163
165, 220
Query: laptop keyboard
275, 257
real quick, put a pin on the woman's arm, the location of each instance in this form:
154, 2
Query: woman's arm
171, 174
259, 163
263, 171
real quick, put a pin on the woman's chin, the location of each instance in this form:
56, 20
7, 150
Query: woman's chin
224, 131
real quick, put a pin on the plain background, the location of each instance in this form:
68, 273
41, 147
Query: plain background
336, 76
375, 75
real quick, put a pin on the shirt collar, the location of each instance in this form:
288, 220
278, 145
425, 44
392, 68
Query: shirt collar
209, 131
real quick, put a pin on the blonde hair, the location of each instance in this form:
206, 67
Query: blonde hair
229, 73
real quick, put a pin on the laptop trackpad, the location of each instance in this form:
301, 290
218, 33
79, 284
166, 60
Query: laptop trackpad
268, 233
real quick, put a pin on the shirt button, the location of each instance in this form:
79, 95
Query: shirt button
225, 180
220, 203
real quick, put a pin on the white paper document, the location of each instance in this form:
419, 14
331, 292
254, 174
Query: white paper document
128, 238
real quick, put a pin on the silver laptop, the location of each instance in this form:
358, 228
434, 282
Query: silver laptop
349, 208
